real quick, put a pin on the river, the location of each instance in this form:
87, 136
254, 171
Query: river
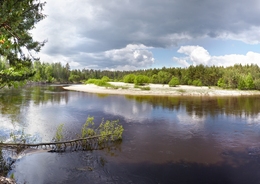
166, 139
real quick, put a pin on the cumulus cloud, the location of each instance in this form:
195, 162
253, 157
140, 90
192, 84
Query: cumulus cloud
101, 28
131, 57
196, 55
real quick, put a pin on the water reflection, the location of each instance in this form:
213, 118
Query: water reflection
19, 106
160, 132
202, 106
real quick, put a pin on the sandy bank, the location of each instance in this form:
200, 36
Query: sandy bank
160, 90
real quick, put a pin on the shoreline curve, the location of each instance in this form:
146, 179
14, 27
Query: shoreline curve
160, 90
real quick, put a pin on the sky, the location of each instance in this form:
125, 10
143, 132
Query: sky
143, 34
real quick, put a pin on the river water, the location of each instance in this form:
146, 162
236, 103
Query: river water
166, 139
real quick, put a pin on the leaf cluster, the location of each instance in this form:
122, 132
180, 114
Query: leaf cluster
112, 128
17, 19
17, 47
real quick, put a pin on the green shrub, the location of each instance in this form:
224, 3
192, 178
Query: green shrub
91, 81
197, 83
249, 82
241, 84
105, 79
141, 79
221, 83
130, 78
189, 82
88, 128
174, 82
59, 133
164, 77
100, 82
257, 84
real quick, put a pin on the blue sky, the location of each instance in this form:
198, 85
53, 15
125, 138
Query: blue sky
130, 35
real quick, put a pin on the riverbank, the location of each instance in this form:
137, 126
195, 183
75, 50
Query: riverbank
160, 90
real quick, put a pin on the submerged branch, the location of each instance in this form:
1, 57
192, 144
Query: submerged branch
50, 143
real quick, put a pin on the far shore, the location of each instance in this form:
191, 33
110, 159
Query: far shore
161, 90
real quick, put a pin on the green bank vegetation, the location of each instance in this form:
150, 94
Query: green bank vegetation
244, 77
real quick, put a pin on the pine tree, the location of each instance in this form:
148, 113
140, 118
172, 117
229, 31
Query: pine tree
17, 18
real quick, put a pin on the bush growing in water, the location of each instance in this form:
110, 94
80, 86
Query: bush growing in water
105, 128
59, 133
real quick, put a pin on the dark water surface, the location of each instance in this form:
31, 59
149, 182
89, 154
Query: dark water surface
166, 139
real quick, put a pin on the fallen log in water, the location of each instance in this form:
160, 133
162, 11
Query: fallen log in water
83, 143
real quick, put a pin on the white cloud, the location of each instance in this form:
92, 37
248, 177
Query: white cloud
249, 36
198, 55
136, 55
96, 32
131, 57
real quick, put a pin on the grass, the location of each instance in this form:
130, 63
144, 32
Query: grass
99, 82
181, 90
103, 83
146, 88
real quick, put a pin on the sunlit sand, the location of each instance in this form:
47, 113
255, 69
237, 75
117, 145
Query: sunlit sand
160, 90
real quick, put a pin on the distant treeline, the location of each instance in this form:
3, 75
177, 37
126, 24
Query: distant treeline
237, 76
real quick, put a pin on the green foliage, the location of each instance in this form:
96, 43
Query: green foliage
257, 84
12, 176
241, 83
174, 82
59, 133
249, 82
141, 80
74, 78
164, 77
145, 88
130, 78
91, 81
197, 83
246, 83
13, 76
228, 77
112, 128
155, 79
99, 82
88, 128
18, 18
105, 79
221, 83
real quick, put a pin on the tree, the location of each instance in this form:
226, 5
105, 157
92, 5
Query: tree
164, 77
130, 78
16, 43
249, 82
174, 82
141, 80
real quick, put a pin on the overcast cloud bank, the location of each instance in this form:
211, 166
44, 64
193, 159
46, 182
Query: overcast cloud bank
122, 34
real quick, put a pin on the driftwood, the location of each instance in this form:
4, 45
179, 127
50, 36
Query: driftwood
88, 143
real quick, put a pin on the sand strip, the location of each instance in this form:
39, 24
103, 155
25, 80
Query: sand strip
160, 90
